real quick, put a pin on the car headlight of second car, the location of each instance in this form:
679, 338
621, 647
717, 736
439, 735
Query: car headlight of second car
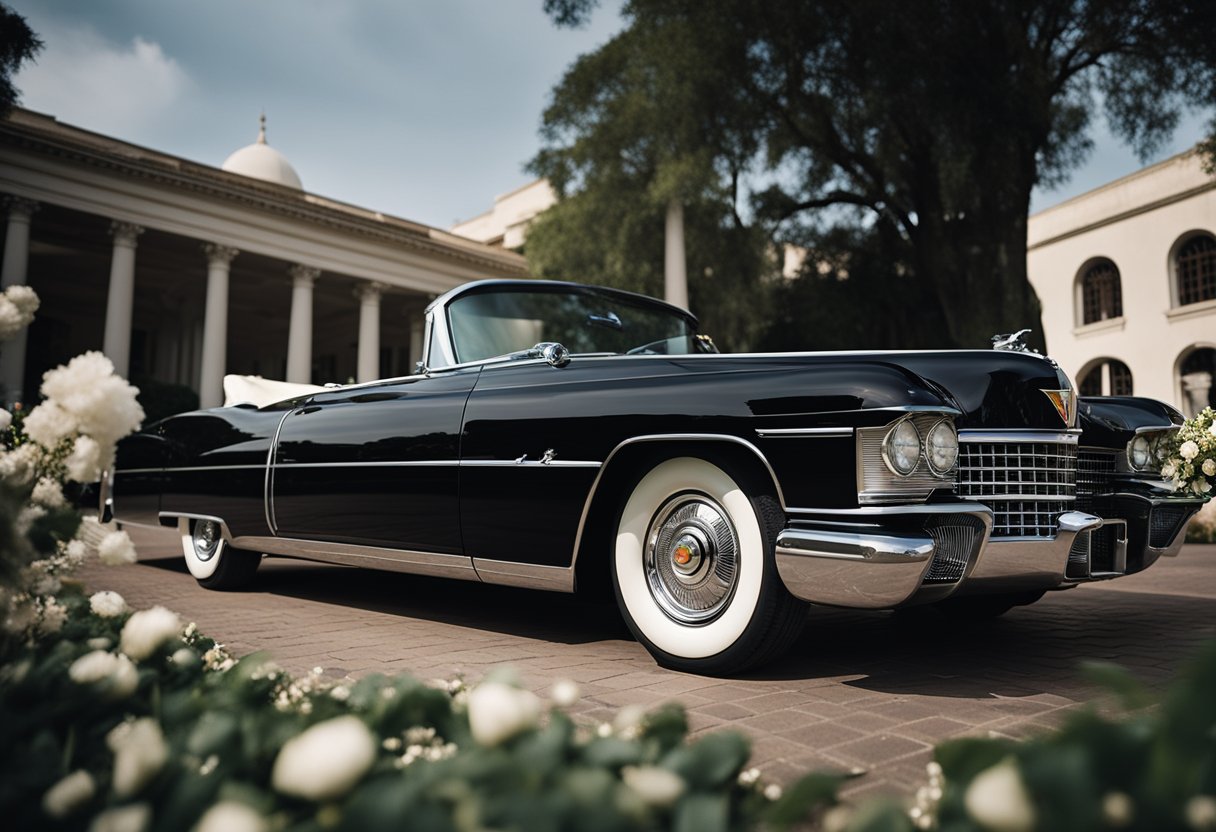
901, 448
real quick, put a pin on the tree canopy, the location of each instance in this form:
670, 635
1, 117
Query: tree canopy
902, 138
18, 44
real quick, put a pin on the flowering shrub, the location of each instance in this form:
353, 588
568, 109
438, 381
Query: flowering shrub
1191, 454
17, 307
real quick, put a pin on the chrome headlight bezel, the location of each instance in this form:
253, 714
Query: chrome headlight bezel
1148, 446
931, 444
890, 454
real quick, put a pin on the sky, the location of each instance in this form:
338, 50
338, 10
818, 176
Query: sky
424, 109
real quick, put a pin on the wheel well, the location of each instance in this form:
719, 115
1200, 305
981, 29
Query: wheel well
624, 469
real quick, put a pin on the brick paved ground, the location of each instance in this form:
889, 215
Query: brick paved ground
874, 690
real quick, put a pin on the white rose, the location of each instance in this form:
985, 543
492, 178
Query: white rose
1117, 809
184, 657
69, 794
1168, 470
114, 675
140, 752
997, 799
132, 818
1189, 450
107, 604
84, 462
100, 643
52, 618
74, 551
18, 466
565, 693
115, 549
48, 424
656, 786
1212, 429
24, 298
147, 630
101, 404
498, 712
1201, 812
1209, 467
48, 493
231, 816
6, 419
1201, 486
325, 761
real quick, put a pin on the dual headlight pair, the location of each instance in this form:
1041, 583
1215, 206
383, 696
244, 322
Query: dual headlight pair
1146, 452
903, 448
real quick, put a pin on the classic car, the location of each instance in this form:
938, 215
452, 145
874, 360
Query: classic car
562, 437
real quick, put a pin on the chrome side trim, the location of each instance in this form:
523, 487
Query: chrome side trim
526, 575
1068, 437
665, 437
256, 465
919, 508
1157, 428
268, 488
376, 557
529, 463
391, 463
796, 433
409, 463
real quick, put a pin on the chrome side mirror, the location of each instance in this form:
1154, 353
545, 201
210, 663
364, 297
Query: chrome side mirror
554, 354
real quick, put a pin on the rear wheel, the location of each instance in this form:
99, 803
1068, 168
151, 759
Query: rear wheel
694, 573
212, 562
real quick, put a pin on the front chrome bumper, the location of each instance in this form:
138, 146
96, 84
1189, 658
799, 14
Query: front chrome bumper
877, 558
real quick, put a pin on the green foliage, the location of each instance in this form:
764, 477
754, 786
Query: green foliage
18, 44
161, 399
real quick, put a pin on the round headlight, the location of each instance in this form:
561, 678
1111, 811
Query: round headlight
901, 448
941, 447
1140, 452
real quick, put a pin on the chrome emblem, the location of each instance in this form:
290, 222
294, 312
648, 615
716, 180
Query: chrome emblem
1065, 404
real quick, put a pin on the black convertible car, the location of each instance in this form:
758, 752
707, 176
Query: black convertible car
560, 436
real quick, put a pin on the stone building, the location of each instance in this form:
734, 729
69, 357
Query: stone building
1127, 278
181, 272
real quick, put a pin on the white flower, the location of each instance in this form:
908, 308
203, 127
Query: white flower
565, 693
69, 794
656, 786
498, 712
628, 721
75, 551
17, 307
48, 493
997, 799
184, 657
6, 419
231, 816
132, 818
24, 298
113, 674
1168, 470
1201, 812
147, 630
52, 618
18, 465
772, 791
1212, 429
101, 404
324, 762
27, 516
48, 424
1117, 809
1201, 486
1209, 467
838, 818
107, 604
1189, 450
115, 549
749, 776
100, 643
140, 752
84, 462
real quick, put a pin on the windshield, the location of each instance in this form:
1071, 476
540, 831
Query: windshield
488, 324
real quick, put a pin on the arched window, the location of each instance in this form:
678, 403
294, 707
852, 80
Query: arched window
1197, 374
1195, 266
1107, 377
1101, 295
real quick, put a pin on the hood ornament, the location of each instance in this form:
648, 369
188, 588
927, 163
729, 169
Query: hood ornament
1012, 342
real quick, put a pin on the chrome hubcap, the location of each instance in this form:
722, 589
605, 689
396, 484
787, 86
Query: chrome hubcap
206, 537
692, 558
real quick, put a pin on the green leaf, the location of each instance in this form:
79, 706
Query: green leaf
702, 813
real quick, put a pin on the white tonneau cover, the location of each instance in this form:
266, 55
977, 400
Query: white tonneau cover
260, 392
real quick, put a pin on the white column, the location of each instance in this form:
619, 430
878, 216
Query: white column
121, 297
299, 333
13, 272
675, 276
368, 366
215, 326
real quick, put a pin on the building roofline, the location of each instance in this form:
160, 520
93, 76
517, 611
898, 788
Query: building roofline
1115, 183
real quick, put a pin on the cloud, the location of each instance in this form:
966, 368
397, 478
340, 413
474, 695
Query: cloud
83, 79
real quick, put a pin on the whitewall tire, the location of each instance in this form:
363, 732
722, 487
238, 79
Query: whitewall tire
693, 569
212, 562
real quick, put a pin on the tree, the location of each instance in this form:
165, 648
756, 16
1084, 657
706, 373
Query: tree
927, 123
18, 44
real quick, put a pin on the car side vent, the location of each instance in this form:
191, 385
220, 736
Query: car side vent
1163, 524
956, 537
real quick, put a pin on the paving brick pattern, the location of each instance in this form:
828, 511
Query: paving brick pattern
859, 690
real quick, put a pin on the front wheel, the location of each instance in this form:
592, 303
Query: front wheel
694, 573
212, 562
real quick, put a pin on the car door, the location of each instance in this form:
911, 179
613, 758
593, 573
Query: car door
374, 465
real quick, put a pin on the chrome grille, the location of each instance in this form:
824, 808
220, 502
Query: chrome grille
1095, 470
955, 537
1163, 524
1028, 484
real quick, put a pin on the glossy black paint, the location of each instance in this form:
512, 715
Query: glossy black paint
1111, 421
340, 470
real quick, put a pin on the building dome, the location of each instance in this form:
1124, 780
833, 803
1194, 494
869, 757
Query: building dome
261, 161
